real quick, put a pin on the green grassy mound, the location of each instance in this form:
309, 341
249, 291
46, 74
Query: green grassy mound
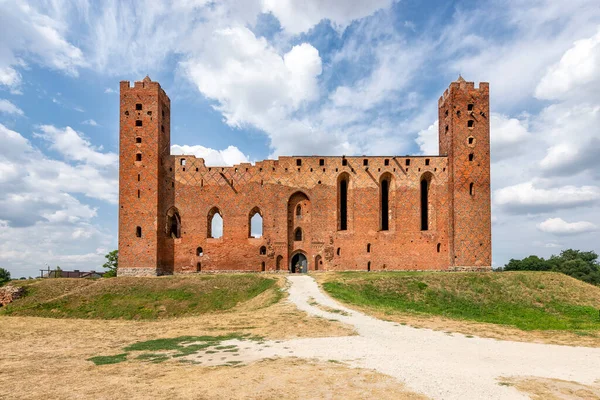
136, 298
526, 300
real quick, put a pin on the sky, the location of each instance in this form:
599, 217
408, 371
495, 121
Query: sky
257, 79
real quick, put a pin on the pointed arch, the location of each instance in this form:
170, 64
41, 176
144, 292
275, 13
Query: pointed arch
299, 211
255, 223
173, 228
278, 262
318, 262
298, 234
214, 228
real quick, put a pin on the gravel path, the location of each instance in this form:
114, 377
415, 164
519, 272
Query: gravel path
434, 363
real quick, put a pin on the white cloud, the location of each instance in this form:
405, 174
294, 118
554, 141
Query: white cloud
559, 227
110, 90
428, 139
526, 198
9, 108
214, 158
36, 36
251, 82
90, 122
297, 17
75, 147
579, 68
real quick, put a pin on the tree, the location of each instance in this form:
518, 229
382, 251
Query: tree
111, 264
582, 265
4, 276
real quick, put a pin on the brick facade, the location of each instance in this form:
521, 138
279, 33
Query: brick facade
355, 213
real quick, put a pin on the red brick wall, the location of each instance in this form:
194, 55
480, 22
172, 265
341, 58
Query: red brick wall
276, 187
470, 226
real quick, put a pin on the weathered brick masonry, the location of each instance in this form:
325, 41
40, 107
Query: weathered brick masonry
340, 213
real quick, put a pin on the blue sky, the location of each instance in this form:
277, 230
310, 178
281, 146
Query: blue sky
262, 78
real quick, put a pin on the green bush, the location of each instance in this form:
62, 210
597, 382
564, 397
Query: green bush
582, 265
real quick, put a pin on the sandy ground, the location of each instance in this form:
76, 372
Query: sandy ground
44, 358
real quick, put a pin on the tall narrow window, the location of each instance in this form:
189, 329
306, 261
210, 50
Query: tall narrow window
139, 193
470, 123
471, 156
173, 223
424, 204
138, 231
471, 191
255, 223
262, 251
298, 210
368, 247
138, 157
384, 207
369, 266
199, 252
214, 228
343, 203
439, 246
298, 235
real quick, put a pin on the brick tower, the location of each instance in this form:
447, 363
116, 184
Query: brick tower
464, 136
144, 145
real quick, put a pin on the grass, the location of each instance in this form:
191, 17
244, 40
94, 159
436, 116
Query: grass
104, 360
159, 350
526, 300
137, 298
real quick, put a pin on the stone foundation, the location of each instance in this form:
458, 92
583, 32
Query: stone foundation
137, 272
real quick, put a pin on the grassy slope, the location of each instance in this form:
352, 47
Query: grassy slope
526, 300
136, 298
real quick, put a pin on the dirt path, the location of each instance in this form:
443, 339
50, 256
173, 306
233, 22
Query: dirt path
437, 364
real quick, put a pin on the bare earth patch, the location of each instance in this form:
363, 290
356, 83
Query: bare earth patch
553, 389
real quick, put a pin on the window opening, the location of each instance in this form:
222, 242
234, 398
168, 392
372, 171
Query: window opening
138, 157
427, 161
470, 123
471, 157
298, 235
385, 194
368, 247
365, 162
138, 106
298, 162
386, 162
424, 205
469, 107
173, 224
344, 162
138, 139
321, 162
256, 223
215, 224
439, 246
343, 208
138, 122
199, 252
138, 231
471, 191
298, 210
262, 251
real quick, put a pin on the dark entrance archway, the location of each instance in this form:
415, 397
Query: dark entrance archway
299, 261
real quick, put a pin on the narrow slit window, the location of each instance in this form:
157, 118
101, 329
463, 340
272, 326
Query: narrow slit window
368, 247
471, 140
339, 251
139, 177
470, 123
427, 161
386, 162
262, 251
138, 231
470, 107
471, 157
298, 210
343, 205
262, 267
298, 235
385, 194
139, 193
424, 205
471, 189
407, 162
138, 157
439, 246
321, 162
369, 266
162, 128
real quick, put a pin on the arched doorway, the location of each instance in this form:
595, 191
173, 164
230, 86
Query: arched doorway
299, 261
